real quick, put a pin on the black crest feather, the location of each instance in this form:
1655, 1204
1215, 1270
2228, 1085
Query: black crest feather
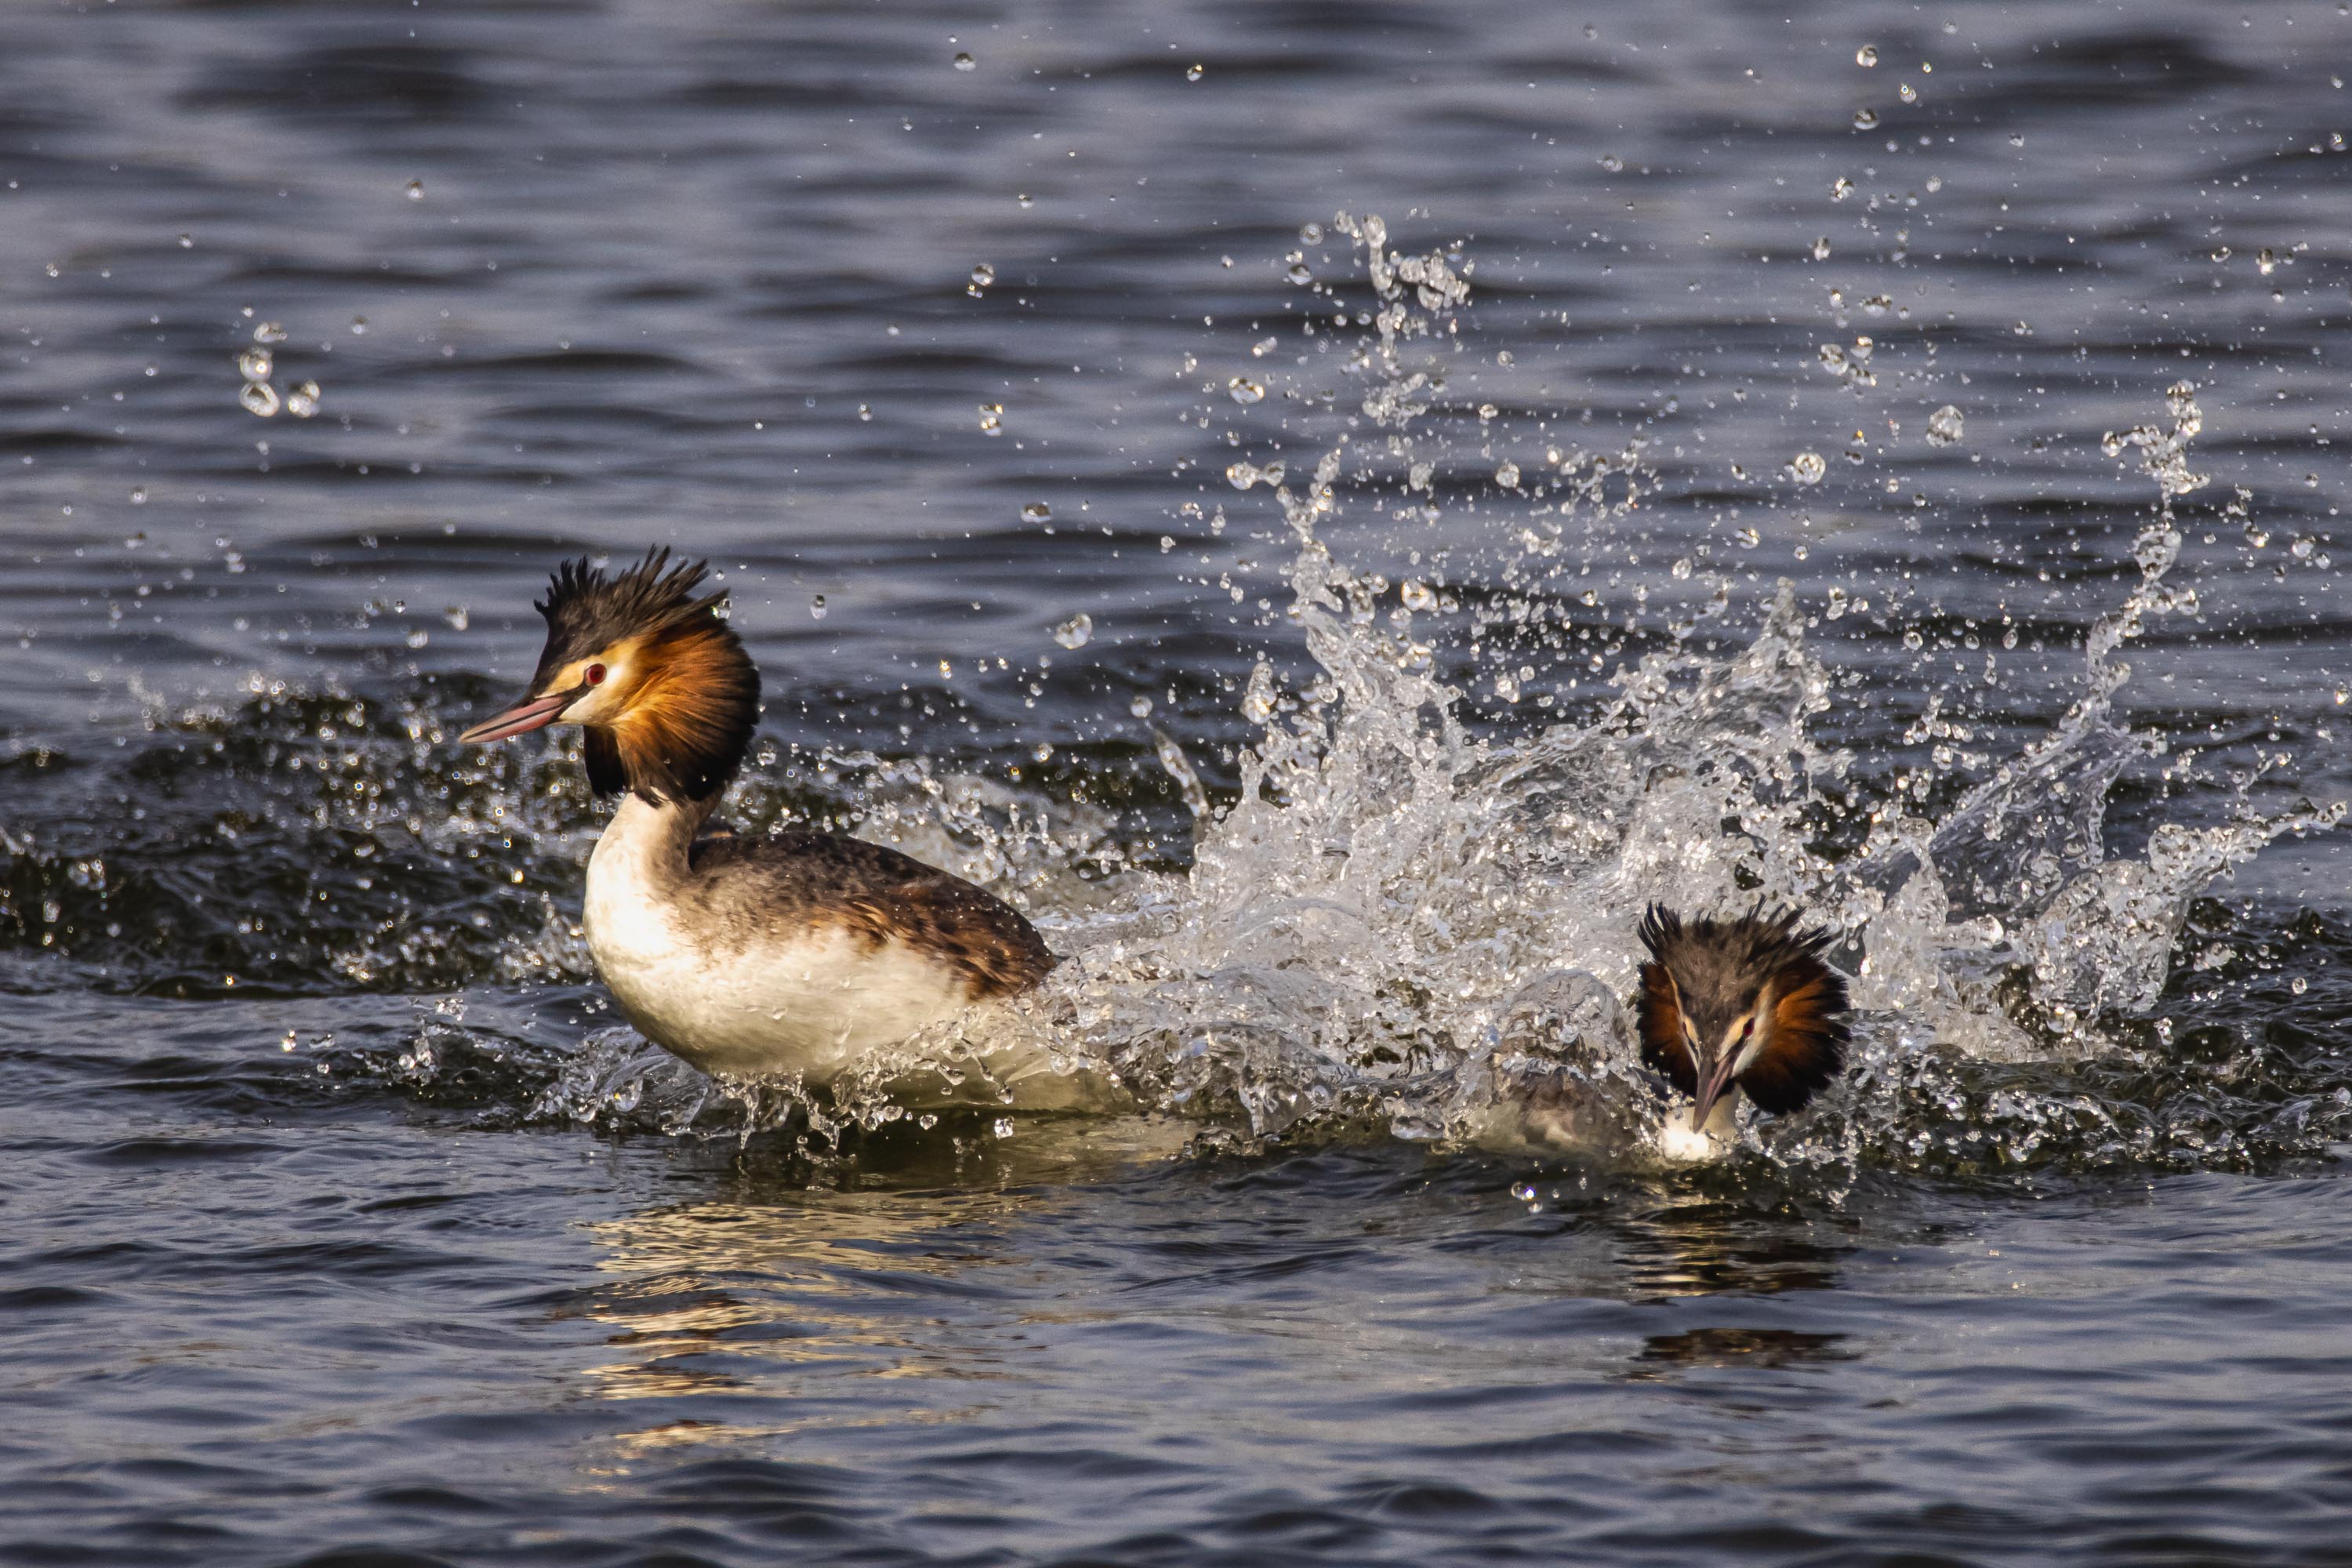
586, 610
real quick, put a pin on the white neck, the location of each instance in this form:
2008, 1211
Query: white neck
648, 843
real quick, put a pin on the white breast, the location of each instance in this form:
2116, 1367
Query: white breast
811, 1001
1684, 1144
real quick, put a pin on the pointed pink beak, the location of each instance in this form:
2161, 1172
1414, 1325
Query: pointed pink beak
1711, 1086
536, 714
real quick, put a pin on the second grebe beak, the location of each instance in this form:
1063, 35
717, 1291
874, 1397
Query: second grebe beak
1714, 1079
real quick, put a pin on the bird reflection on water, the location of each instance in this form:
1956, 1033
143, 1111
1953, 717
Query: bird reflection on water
741, 1311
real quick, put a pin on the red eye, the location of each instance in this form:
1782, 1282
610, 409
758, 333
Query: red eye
1747, 1027
596, 675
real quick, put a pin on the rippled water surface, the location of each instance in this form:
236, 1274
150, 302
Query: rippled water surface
1331, 508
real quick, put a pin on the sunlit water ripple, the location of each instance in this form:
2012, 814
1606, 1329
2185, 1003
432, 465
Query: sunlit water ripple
1331, 509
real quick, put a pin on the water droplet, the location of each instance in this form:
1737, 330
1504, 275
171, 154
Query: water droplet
1822, 249
981, 277
1026, 200
138, 495
2017, 138
187, 242
1244, 390
1311, 234
1487, 411
258, 397
1946, 426
1076, 631
1612, 162
964, 62
1195, 72
1908, 93
1036, 511
1878, 305
2298, 985
1298, 272
269, 332
2266, 261
1507, 476
1866, 55
816, 606
1141, 708
1416, 595
416, 189
1240, 476
255, 364
1841, 188
303, 401
1835, 610
1258, 698
459, 617
1807, 468
1865, 118
992, 418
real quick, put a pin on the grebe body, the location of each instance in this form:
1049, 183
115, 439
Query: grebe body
799, 954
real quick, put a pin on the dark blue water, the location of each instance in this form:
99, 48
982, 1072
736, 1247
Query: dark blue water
338, 1225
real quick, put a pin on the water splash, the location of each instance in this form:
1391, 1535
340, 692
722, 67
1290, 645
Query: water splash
1401, 925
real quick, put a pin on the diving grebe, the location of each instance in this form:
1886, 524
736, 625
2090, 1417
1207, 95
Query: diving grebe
1731, 1007
1739, 1007
793, 954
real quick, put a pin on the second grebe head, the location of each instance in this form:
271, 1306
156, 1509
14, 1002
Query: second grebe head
662, 683
1745, 1001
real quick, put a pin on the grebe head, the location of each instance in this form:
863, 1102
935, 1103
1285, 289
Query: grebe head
662, 683
1745, 1001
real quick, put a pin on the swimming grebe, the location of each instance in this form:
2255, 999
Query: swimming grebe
1726, 1007
793, 954
1739, 1007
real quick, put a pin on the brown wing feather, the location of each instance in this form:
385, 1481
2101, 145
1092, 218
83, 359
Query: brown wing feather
982, 938
881, 895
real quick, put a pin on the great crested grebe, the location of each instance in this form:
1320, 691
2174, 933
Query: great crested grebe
793, 954
1740, 1006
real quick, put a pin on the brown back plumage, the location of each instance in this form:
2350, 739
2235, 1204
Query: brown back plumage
876, 894
1709, 973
